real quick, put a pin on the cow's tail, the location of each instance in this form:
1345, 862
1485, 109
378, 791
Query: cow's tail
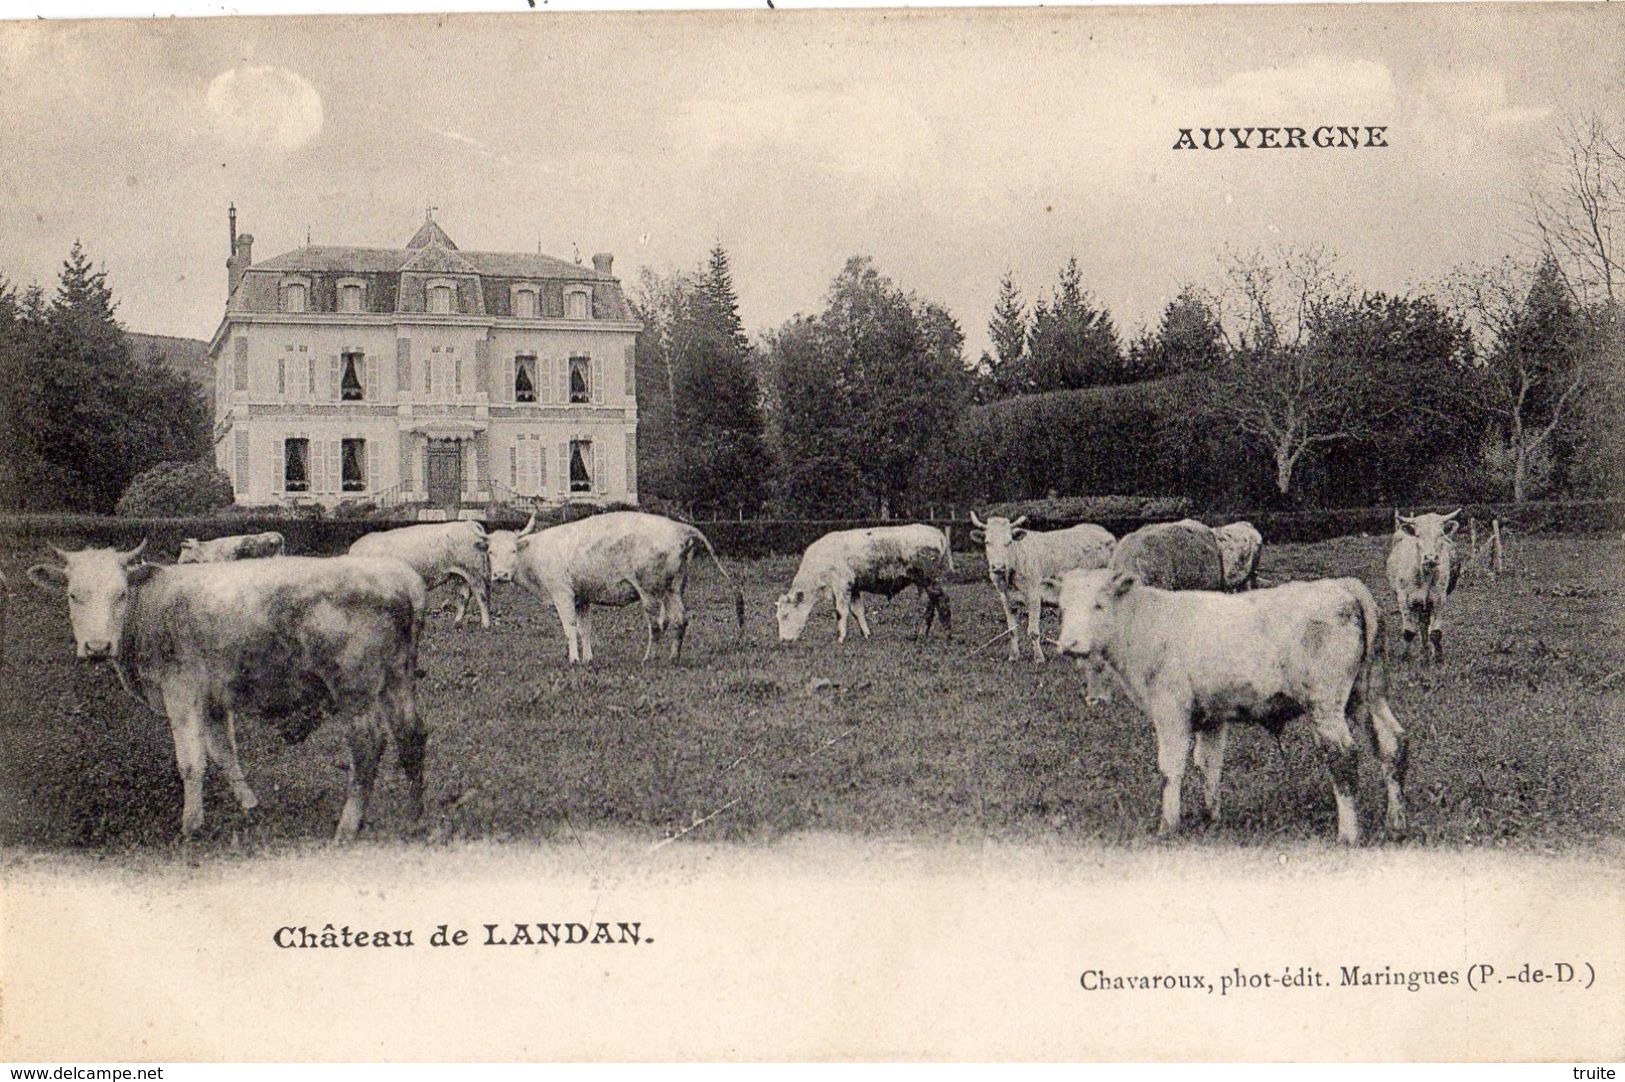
1369, 700
739, 595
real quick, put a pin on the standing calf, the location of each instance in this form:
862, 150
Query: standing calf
1196, 661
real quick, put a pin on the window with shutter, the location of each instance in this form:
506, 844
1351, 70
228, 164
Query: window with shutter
335, 377
353, 465
281, 377
581, 465
296, 464
580, 377
352, 382
239, 373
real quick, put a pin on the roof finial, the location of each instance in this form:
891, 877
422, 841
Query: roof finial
307, 234
577, 249
428, 213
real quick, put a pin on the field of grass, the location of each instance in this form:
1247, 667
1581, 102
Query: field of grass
1516, 738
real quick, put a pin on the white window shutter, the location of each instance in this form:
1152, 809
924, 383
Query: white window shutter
370, 481
595, 377
336, 371
630, 382
564, 381
564, 467
335, 465
513, 467
240, 365
404, 476
541, 463
509, 364
598, 480
366, 383
403, 365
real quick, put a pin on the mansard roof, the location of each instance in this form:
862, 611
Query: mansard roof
338, 260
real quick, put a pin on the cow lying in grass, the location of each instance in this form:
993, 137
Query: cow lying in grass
1197, 661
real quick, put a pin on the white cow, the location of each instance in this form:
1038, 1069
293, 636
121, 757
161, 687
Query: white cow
610, 559
240, 547
883, 560
1019, 560
289, 641
440, 552
1422, 569
1195, 661
1240, 545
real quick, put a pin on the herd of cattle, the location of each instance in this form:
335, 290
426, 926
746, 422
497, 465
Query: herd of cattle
1171, 613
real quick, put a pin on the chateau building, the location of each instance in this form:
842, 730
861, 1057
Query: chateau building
425, 376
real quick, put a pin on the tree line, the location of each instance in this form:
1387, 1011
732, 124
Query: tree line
1279, 382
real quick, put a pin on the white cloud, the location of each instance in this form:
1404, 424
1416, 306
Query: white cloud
256, 106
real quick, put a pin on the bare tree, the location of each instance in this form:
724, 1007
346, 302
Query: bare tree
1576, 213
1534, 363
1279, 385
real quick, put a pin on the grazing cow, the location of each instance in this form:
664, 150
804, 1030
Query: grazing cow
289, 641
883, 560
242, 547
1196, 661
440, 552
1019, 560
1422, 569
1239, 547
610, 559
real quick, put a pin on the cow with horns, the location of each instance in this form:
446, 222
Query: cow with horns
1423, 571
440, 552
289, 641
1019, 560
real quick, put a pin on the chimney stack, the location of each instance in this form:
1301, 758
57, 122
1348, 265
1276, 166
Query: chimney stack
242, 254
602, 262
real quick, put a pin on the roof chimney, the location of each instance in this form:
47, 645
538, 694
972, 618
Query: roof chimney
602, 262
242, 256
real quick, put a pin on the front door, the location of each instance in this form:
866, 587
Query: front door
445, 473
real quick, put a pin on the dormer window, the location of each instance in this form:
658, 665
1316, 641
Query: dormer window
441, 298
352, 293
295, 295
524, 302
578, 303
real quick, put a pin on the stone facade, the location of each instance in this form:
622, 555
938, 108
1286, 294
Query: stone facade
424, 376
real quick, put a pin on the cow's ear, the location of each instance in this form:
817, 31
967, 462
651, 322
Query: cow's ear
483, 545
1408, 527
1450, 527
49, 577
140, 573
1017, 534
978, 536
797, 596
1122, 583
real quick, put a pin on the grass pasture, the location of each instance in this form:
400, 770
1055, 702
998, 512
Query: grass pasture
1516, 738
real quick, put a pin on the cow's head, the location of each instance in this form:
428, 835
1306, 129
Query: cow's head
98, 583
188, 552
1088, 602
792, 610
1433, 534
997, 534
502, 548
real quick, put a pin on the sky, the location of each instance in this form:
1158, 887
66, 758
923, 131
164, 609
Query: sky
951, 146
